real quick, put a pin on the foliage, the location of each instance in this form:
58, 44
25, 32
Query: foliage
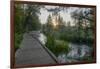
26, 19
18, 39
32, 21
61, 46
57, 46
59, 36
80, 33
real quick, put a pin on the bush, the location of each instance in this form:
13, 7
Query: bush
61, 46
18, 39
57, 46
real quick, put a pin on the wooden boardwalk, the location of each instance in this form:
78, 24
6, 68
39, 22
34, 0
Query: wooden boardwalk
32, 52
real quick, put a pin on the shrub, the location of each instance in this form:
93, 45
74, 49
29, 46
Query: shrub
61, 46
57, 46
18, 39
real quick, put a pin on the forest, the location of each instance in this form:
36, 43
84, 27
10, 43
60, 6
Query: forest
59, 29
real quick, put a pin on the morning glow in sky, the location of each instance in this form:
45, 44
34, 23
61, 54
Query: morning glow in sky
65, 14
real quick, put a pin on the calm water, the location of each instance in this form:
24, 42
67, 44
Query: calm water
75, 54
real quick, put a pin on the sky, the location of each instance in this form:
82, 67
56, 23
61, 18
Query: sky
65, 14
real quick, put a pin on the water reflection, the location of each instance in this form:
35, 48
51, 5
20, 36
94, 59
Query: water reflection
76, 53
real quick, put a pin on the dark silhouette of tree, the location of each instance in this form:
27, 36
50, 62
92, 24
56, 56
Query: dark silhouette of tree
26, 19
32, 21
83, 21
